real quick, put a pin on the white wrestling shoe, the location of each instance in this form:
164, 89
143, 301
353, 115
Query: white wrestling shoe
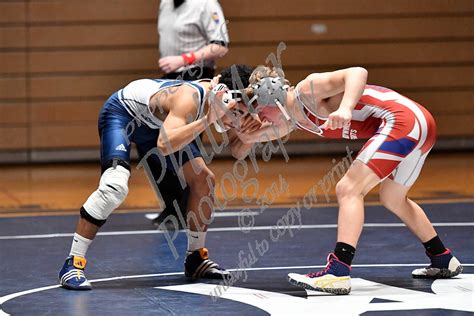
335, 278
443, 266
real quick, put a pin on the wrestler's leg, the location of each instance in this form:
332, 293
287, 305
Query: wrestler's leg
350, 192
201, 181
111, 192
393, 195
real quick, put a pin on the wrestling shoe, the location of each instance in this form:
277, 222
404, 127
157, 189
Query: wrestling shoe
72, 275
335, 278
443, 266
198, 266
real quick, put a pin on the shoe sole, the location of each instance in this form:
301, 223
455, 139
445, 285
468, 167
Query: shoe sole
216, 277
71, 288
337, 291
442, 274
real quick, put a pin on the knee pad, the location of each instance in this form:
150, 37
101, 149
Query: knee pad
112, 191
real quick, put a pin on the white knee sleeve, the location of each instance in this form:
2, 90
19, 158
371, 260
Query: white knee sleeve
112, 191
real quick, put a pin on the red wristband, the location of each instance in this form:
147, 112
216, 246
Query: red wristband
189, 58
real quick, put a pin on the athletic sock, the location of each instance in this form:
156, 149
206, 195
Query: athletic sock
79, 246
434, 246
344, 252
196, 240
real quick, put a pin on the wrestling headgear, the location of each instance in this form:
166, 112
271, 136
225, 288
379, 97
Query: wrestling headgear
271, 91
226, 98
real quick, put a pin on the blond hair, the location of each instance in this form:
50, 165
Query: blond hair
261, 72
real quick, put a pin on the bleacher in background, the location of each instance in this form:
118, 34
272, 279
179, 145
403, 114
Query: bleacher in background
60, 60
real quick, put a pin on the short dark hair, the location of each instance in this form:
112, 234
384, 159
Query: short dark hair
229, 74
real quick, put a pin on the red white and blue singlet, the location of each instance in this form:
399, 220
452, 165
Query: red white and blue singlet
401, 133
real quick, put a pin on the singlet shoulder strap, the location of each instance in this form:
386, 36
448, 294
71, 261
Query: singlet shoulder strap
202, 96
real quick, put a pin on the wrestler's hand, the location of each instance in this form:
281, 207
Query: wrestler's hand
170, 63
338, 119
249, 124
242, 121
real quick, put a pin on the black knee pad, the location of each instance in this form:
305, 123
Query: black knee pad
90, 219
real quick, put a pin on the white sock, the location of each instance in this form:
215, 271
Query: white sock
79, 246
196, 240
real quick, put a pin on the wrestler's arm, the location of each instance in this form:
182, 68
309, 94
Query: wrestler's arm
176, 132
267, 132
238, 148
350, 81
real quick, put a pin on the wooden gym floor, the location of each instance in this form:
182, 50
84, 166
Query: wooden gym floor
133, 269
62, 188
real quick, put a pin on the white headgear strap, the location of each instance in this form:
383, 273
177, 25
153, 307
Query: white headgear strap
228, 96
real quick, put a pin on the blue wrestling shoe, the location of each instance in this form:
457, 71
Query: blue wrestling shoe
198, 266
443, 266
72, 275
335, 278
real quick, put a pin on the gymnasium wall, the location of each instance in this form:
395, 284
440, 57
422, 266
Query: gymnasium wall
60, 60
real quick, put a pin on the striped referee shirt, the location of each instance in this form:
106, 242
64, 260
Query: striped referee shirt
190, 27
